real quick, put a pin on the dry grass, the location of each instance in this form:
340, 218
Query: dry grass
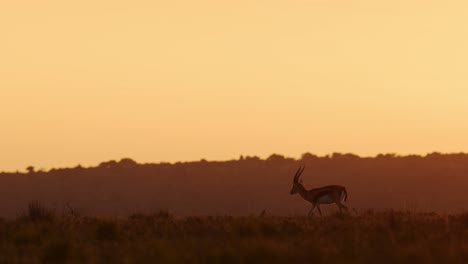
372, 237
38, 212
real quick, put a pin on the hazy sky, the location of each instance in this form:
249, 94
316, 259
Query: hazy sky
87, 81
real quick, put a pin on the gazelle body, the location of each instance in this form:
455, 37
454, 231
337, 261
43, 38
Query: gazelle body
324, 195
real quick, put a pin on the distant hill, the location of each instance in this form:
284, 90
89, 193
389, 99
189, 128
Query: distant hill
435, 182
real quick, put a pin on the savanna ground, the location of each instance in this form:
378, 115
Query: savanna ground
42, 236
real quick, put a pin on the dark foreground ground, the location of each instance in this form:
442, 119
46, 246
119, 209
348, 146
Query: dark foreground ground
40, 236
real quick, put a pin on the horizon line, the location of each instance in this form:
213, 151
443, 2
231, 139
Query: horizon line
243, 157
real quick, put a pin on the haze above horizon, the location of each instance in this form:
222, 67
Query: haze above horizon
89, 81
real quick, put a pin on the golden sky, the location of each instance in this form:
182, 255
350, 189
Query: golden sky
86, 81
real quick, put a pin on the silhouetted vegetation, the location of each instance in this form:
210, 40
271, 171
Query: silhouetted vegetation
369, 237
38, 212
30, 169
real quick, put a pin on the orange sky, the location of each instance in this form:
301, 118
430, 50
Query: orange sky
88, 81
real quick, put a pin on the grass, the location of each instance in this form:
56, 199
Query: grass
372, 237
38, 212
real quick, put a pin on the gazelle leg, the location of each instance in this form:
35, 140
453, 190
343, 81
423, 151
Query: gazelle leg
339, 207
310, 211
344, 206
320, 211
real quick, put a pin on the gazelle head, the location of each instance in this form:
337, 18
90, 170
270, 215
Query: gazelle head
297, 184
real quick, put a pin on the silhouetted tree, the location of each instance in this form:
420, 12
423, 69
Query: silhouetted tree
434, 156
30, 169
127, 163
346, 156
108, 164
307, 157
254, 158
275, 158
386, 156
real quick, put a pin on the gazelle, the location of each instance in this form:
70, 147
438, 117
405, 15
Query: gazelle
324, 195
